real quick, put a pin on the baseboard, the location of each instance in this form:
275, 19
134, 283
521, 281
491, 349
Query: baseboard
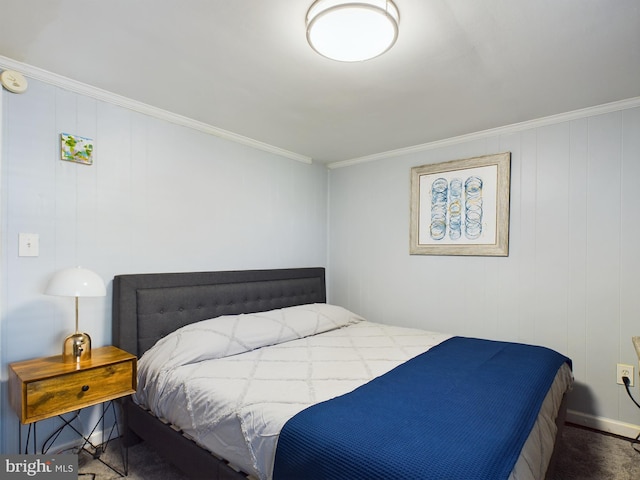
96, 438
603, 424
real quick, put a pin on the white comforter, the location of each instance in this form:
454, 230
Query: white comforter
232, 382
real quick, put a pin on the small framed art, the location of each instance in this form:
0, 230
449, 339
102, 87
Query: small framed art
74, 148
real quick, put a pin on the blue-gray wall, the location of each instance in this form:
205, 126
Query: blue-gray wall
570, 281
163, 197
159, 197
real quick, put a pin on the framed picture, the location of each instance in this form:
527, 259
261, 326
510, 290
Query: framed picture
74, 148
461, 207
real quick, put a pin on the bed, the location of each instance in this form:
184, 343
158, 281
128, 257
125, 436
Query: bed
152, 313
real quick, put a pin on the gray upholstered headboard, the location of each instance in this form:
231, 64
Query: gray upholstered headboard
146, 307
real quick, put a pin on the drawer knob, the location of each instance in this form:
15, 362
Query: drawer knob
85, 388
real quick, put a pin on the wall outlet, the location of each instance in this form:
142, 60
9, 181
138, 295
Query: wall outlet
625, 371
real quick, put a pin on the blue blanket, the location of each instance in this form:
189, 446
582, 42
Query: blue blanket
461, 410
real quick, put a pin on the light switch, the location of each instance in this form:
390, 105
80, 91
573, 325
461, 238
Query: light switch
29, 245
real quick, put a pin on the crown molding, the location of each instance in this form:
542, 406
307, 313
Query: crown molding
115, 99
119, 100
516, 127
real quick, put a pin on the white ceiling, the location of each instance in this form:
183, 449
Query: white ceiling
459, 66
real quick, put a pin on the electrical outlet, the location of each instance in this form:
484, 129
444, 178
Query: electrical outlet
624, 371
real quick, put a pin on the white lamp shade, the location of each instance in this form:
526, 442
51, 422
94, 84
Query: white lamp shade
76, 282
352, 31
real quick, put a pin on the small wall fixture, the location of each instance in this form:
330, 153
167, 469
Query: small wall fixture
352, 31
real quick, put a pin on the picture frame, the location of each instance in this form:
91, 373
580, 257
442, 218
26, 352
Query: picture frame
461, 207
74, 148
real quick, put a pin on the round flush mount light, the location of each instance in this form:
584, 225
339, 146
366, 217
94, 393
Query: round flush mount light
352, 31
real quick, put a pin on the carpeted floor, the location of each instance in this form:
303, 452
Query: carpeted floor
584, 455
590, 455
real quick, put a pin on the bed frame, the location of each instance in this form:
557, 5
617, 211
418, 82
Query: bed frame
146, 307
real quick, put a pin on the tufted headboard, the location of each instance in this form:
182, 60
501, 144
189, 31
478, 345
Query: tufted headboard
146, 307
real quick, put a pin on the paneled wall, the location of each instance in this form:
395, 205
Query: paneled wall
162, 197
159, 198
570, 281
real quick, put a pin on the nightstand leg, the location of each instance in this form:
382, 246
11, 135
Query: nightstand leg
51, 439
124, 451
26, 444
98, 450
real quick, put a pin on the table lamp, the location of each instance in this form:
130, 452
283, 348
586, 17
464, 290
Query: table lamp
76, 282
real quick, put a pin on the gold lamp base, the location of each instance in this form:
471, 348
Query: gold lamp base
76, 348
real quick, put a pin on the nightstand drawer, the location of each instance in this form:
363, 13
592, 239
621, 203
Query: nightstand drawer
73, 391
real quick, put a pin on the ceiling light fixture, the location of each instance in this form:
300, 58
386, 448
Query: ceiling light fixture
352, 31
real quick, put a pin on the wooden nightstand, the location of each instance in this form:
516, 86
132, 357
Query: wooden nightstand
46, 387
